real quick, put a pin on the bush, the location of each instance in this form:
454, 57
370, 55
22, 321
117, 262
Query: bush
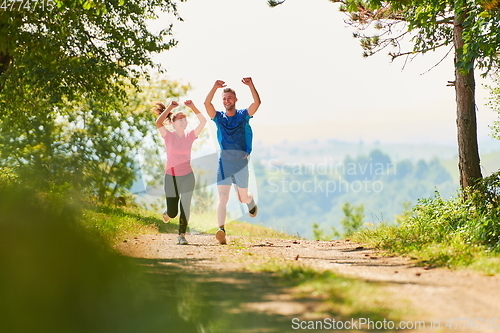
473, 216
7, 177
446, 232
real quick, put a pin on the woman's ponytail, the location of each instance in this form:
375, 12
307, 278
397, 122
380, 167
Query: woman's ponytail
159, 108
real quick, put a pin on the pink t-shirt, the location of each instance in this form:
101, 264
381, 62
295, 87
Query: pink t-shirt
178, 153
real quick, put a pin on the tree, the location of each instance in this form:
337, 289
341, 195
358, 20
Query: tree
67, 72
353, 219
90, 145
52, 51
470, 28
351, 223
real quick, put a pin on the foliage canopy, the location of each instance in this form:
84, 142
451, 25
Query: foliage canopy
67, 50
71, 74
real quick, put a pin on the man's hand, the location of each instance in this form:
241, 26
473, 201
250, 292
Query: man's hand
219, 84
248, 81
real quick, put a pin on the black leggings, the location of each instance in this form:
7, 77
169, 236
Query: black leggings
179, 188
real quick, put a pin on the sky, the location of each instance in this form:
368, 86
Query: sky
311, 76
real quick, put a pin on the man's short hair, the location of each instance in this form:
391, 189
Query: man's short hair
231, 90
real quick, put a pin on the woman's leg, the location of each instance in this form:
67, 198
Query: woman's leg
172, 196
185, 185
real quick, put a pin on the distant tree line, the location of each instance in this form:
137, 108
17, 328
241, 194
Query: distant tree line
295, 197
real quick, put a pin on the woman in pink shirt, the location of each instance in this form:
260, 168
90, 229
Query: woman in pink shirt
179, 177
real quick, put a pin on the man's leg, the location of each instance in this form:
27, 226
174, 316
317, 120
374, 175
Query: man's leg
241, 179
222, 204
221, 211
246, 197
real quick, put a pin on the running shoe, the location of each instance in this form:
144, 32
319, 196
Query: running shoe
221, 235
182, 240
252, 212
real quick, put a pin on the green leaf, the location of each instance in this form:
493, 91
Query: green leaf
88, 4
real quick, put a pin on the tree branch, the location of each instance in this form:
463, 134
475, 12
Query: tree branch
397, 55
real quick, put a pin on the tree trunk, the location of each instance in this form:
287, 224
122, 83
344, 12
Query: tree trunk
465, 86
5, 60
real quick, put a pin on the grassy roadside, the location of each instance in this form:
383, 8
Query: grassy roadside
459, 233
117, 223
452, 252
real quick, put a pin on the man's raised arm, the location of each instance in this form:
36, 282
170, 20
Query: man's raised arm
208, 100
255, 95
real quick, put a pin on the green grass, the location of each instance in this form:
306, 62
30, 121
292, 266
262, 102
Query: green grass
454, 252
455, 233
488, 264
201, 222
451, 252
207, 223
435, 242
117, 223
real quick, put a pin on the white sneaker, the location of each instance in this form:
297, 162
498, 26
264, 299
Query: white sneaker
182, 240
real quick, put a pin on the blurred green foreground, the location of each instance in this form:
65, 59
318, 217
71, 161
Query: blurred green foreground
55, 277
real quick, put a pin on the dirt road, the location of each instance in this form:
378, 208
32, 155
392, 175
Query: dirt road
445, 300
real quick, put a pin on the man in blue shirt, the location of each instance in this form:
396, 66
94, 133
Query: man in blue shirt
234, 135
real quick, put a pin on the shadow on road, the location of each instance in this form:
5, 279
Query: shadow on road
239, 301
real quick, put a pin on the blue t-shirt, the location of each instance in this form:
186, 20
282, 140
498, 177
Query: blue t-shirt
234, 134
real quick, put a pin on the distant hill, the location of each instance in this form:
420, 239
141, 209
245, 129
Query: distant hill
490, 163
317, 151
